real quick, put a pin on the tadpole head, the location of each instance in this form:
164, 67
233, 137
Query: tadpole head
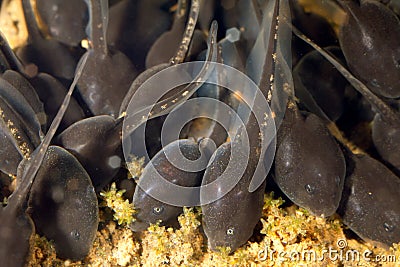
147, 198
229, 221
151, 211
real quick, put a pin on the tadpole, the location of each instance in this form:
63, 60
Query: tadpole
370, 202
17, 226
65, 20
108, 74
61, 63
370, 40
309, 164
82, 139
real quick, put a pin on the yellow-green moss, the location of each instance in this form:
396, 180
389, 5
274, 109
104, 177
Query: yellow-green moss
123, 210
135, 167
282, 230
174, 247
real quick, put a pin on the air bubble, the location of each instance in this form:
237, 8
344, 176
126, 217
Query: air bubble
114, 162
233, 35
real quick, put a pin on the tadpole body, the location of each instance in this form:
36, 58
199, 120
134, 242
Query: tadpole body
65, 20
63, 204
230, 220
151, 210
370, 40
370, 202
19, 126
136, 40
51, 92
61, 63
82, 139
386, 138
108, 73
314, 26
319, 86
164, 48
20, 105
19, 82
309, 165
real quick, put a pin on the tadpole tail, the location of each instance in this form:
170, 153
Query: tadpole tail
12, 60
165, 106
97, 34
31, 23
269, 62
188, 33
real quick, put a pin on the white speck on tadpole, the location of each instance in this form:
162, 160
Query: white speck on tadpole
57, 194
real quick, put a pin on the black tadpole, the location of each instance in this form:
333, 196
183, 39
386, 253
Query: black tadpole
17, 226
108, 74
61, 63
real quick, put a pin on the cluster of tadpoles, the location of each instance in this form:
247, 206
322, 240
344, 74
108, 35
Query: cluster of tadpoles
60, 167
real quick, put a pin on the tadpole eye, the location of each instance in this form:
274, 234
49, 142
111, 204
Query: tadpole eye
309, 188
230, 231
158, 210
